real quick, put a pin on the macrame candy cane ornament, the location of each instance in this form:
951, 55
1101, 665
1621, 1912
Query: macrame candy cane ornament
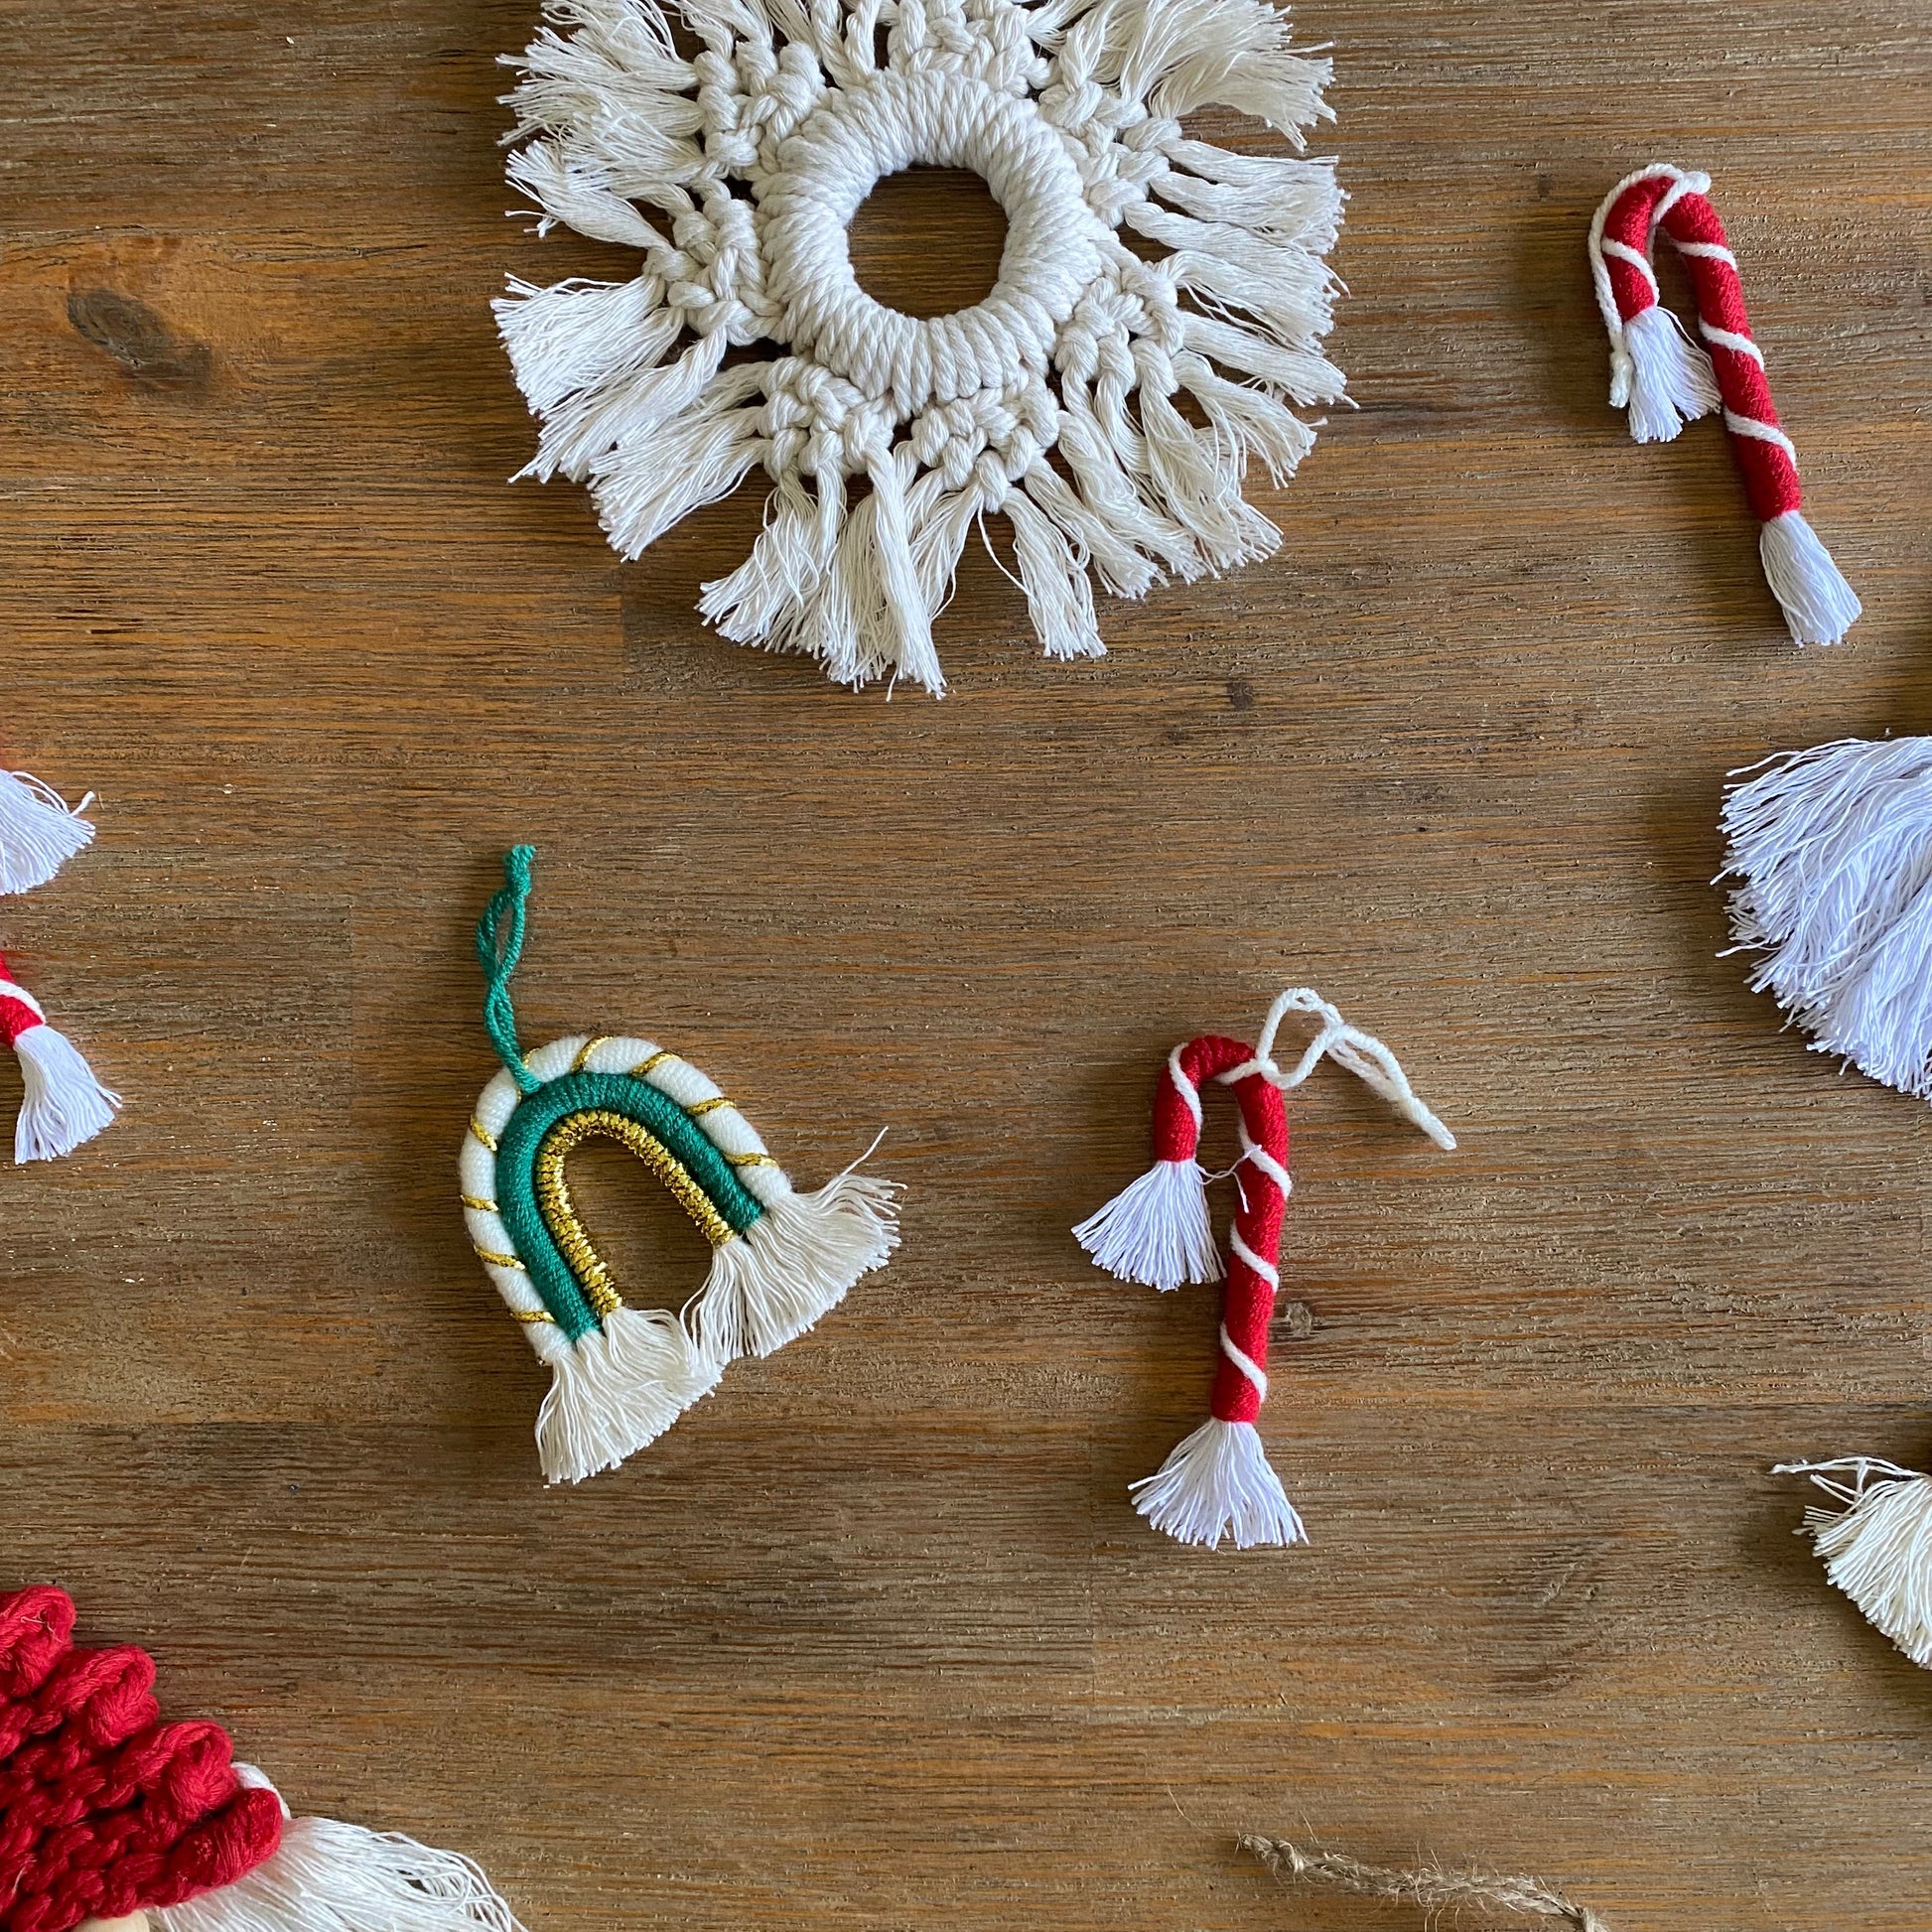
1218, 1483
620, 1376
1156, 321
38, 831
109, 1814
64, 1104
1666, 380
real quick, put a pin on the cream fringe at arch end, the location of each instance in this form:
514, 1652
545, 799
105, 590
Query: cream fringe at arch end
1105, 403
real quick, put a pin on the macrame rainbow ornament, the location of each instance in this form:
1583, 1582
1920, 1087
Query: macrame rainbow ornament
110, 1816
1156, 320
64, 1103
1218, 1483
1665, 379
620, 1376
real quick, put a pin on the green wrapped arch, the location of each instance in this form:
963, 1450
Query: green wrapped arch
519, 1145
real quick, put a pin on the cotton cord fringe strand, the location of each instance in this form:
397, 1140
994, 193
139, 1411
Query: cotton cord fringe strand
1436, 1889
1155, 324
1665, 379
620, 1376
1218, 1483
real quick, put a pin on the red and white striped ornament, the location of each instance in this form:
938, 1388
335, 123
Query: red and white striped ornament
1665, 379
64, 1104
1218, 1483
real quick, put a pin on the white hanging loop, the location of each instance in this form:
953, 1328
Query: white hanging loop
1348, 1046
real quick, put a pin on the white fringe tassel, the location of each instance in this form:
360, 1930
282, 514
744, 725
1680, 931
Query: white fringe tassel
65, 1103
1878, 1548
1669, 380
1819, 604
1833, 849
331, 1877
613, 1393
794, 1263
38, 831
1157, 1229
1219, 1483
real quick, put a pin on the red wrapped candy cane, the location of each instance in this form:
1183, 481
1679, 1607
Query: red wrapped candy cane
1219, 1482
1666, 379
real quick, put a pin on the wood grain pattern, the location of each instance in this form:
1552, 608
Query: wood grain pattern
870, 1639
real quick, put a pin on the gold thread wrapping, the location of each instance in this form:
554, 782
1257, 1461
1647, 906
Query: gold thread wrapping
502, 1261
710, 1106
533, 1316
750, 1159
560, 1216
479, 1203
482, 1134
585, 1051
658, 1058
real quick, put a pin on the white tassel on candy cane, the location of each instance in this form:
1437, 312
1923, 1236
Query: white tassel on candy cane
328, 1876
38, 831
1877, 1547
1832, 852
63, 1104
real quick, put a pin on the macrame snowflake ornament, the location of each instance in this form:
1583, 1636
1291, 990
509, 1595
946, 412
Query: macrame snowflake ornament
1159, 306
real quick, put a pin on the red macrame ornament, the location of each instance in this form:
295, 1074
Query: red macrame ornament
106, 1812
1157, 1231
64, 1103
105, 1809
1666, 380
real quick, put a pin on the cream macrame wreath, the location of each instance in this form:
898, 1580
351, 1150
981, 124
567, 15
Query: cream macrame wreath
1159, 301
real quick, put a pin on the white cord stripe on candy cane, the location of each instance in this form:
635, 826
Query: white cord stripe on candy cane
1711, 251
1730, 340
1264, 1161
1764, 431
1265, 1269
1683, 185
1185, 1088
8, 991
1246, 1364
1623, 252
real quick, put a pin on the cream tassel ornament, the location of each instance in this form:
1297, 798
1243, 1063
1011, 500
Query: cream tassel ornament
1877, 1547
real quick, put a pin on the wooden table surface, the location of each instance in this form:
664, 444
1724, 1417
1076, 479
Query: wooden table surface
872, 1639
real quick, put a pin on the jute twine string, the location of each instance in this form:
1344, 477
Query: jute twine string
1430, 1886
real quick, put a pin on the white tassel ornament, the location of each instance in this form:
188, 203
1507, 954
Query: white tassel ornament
1832, 852
38, 831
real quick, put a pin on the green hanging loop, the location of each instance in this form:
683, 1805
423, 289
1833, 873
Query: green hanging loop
499, 945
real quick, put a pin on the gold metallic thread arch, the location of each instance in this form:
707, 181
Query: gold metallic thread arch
560, 1216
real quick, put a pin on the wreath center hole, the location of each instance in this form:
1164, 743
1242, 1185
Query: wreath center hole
926, 242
